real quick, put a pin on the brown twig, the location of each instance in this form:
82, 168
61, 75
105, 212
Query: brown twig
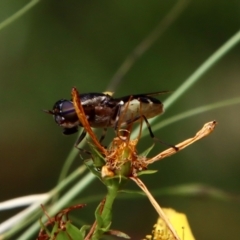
206, 130
156, 206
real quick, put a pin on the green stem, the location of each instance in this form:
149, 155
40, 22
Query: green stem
66, 198
107, 210
18, 14
106, 215
207, 65
33, 212
147, 42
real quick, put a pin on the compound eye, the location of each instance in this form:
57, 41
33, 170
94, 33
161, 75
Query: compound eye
64, 112
67, 108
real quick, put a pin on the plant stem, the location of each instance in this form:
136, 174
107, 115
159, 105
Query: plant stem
208, 64
106, 215
193, 78
146, 43
18, 14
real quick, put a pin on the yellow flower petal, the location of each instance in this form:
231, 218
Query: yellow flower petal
179, 222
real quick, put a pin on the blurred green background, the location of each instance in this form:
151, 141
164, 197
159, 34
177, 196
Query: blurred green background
61, 44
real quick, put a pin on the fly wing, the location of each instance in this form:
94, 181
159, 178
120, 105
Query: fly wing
142, 97
154, 93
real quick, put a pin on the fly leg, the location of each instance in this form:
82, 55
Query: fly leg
153, 137
117, 117
81, 137
103, 135
84, 133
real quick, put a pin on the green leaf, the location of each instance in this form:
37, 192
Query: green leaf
147, 151
118, 234
146, 172
83, 229
70, 232
98, 215
115, 182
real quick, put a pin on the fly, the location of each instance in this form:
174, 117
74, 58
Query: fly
104, 111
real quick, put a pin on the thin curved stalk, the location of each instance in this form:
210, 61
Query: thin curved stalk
18, 14
146, 43
200, 71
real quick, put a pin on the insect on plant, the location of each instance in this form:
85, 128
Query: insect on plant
121, 160
122, 142
103, 111
121, 155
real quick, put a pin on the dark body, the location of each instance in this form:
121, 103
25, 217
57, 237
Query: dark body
103, 111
